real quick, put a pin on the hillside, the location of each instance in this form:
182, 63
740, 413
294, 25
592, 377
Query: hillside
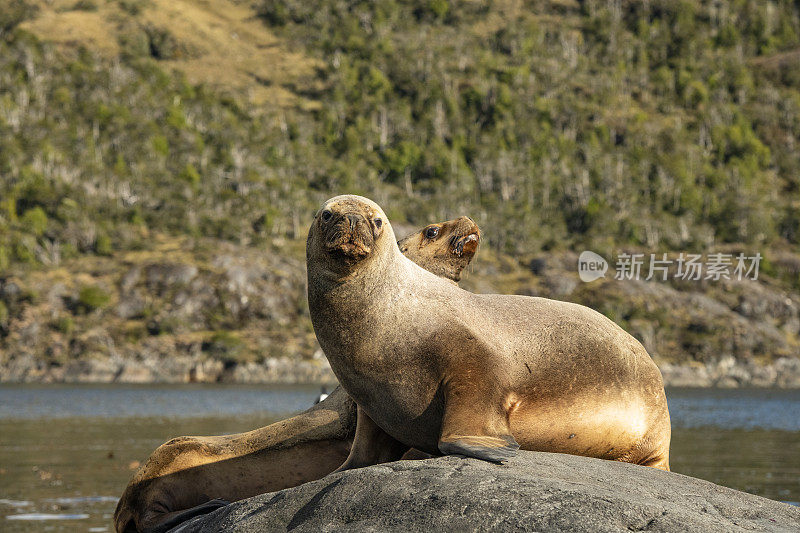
218, 43
159, 162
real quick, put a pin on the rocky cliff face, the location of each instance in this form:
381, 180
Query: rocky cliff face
532, 492
210, 311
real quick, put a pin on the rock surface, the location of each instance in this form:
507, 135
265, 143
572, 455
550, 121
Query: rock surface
532, 492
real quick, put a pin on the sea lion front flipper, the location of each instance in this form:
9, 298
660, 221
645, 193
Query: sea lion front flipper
371, 445
475, 426
493, 449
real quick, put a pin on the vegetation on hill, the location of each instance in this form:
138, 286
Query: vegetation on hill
94, 156
666, 125
564, 123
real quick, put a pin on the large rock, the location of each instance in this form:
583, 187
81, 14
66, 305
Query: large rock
533, 492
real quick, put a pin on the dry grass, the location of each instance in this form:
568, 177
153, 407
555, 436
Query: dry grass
232, 49
175, 249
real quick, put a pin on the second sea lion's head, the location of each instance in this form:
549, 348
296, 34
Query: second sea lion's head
445, 248
347, 231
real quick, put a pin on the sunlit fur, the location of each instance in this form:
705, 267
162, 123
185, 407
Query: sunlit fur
437, 368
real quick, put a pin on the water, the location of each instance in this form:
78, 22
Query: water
67, 452
746, 409
34, 402
745, 439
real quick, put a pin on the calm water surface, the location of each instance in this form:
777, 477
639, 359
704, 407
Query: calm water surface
67, 452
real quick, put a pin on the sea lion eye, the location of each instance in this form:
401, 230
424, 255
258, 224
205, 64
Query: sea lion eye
378, 223
432, 232
326, 215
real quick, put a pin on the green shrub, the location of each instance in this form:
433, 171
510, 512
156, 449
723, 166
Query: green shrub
176, 117
34, 221
227, 346
161, 145
190, 176
102, 245
134, 42
64, 324
134, 7
134, 331
92, 297
5, 260
85, 5
9, 205
166, 325
439, 8
163, 44
24, 249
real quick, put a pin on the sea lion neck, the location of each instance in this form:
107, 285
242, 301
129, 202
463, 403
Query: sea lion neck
357, 299
342, 285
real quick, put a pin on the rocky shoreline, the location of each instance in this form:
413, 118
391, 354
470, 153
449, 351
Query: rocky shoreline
726, 373
178, 369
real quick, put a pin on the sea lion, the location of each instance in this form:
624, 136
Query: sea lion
444, 249
434, 367
189, 476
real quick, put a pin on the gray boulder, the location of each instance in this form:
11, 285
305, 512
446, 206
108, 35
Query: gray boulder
532, 492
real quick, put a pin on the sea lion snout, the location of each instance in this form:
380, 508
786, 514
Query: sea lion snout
349, 234
350, 229
466, 244
354, 220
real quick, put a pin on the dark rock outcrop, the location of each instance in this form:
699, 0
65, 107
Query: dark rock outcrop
532, 492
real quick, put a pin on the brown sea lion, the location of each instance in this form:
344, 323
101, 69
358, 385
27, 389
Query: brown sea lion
443, 370
189, 476
444, 249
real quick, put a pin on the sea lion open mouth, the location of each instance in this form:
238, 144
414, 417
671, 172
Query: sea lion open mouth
466, 238
468, 244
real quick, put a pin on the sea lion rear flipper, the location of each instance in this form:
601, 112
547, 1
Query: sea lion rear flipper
371, 445
475, 426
